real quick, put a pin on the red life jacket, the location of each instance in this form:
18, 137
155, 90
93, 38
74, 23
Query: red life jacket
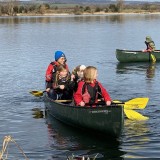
54, 69
90, 94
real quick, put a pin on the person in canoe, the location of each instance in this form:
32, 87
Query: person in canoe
77, 75
60, 59
90, 89
62, 85
150, 44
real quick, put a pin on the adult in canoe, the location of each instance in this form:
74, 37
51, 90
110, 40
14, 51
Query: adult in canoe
150, 44
60, 59
150, 48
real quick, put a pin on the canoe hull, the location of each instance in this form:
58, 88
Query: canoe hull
107, 120
135, 56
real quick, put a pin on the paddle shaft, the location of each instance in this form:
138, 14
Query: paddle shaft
136, 103
99, 102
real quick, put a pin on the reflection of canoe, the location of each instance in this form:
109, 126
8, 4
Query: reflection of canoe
135, 56
107, 120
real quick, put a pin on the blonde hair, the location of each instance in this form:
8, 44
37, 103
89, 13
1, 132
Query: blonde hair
90, 74
60, 68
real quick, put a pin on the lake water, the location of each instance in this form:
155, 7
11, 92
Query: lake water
27, 46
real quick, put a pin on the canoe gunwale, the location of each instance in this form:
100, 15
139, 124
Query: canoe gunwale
125, 56
66, 104
128, 50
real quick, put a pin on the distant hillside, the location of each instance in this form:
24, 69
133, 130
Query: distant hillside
73, 1
90, 1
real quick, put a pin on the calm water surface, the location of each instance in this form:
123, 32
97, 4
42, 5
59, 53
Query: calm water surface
27, 45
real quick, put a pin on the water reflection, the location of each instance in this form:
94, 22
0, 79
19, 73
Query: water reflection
147, 68
37, 113
150, 73
60, 19
80, 143
121, 19
137, 136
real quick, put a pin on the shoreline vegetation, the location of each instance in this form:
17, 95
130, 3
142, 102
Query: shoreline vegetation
17, 8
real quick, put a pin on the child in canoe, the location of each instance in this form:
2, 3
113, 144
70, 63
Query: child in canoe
62, 84
77, 75
90, 89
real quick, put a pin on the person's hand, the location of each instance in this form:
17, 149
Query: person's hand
82, 103
48, 77
108, 103
48, 89
61, 87
72, 77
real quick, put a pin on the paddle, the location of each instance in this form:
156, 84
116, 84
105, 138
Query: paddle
136, 103
37, 93
152, 57
130, 114
133, 115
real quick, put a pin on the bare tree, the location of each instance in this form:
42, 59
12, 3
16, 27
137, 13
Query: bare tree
120, 5
10, 5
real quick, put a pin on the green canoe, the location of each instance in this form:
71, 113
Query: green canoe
136, 56
105, 120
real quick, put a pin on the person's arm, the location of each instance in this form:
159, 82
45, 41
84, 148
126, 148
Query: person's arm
78, 95
49, 72
105, 94
152, 46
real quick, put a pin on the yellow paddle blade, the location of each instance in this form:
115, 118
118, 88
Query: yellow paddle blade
153, 58
136, 103
133, 115
37, 93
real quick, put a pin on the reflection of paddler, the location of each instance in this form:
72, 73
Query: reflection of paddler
150, 71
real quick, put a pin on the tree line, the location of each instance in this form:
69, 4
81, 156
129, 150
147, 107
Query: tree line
15, 7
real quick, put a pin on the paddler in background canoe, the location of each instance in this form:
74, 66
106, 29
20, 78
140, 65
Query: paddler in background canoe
60, 59
150, 48
150, 45
89, 89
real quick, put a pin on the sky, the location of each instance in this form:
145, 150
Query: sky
124, 0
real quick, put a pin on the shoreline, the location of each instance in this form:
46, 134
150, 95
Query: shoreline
84, 14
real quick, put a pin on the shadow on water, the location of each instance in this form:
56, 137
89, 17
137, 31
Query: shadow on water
80, 143
148, 68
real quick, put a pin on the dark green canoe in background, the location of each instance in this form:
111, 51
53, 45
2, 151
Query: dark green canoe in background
105, 120
136, 56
